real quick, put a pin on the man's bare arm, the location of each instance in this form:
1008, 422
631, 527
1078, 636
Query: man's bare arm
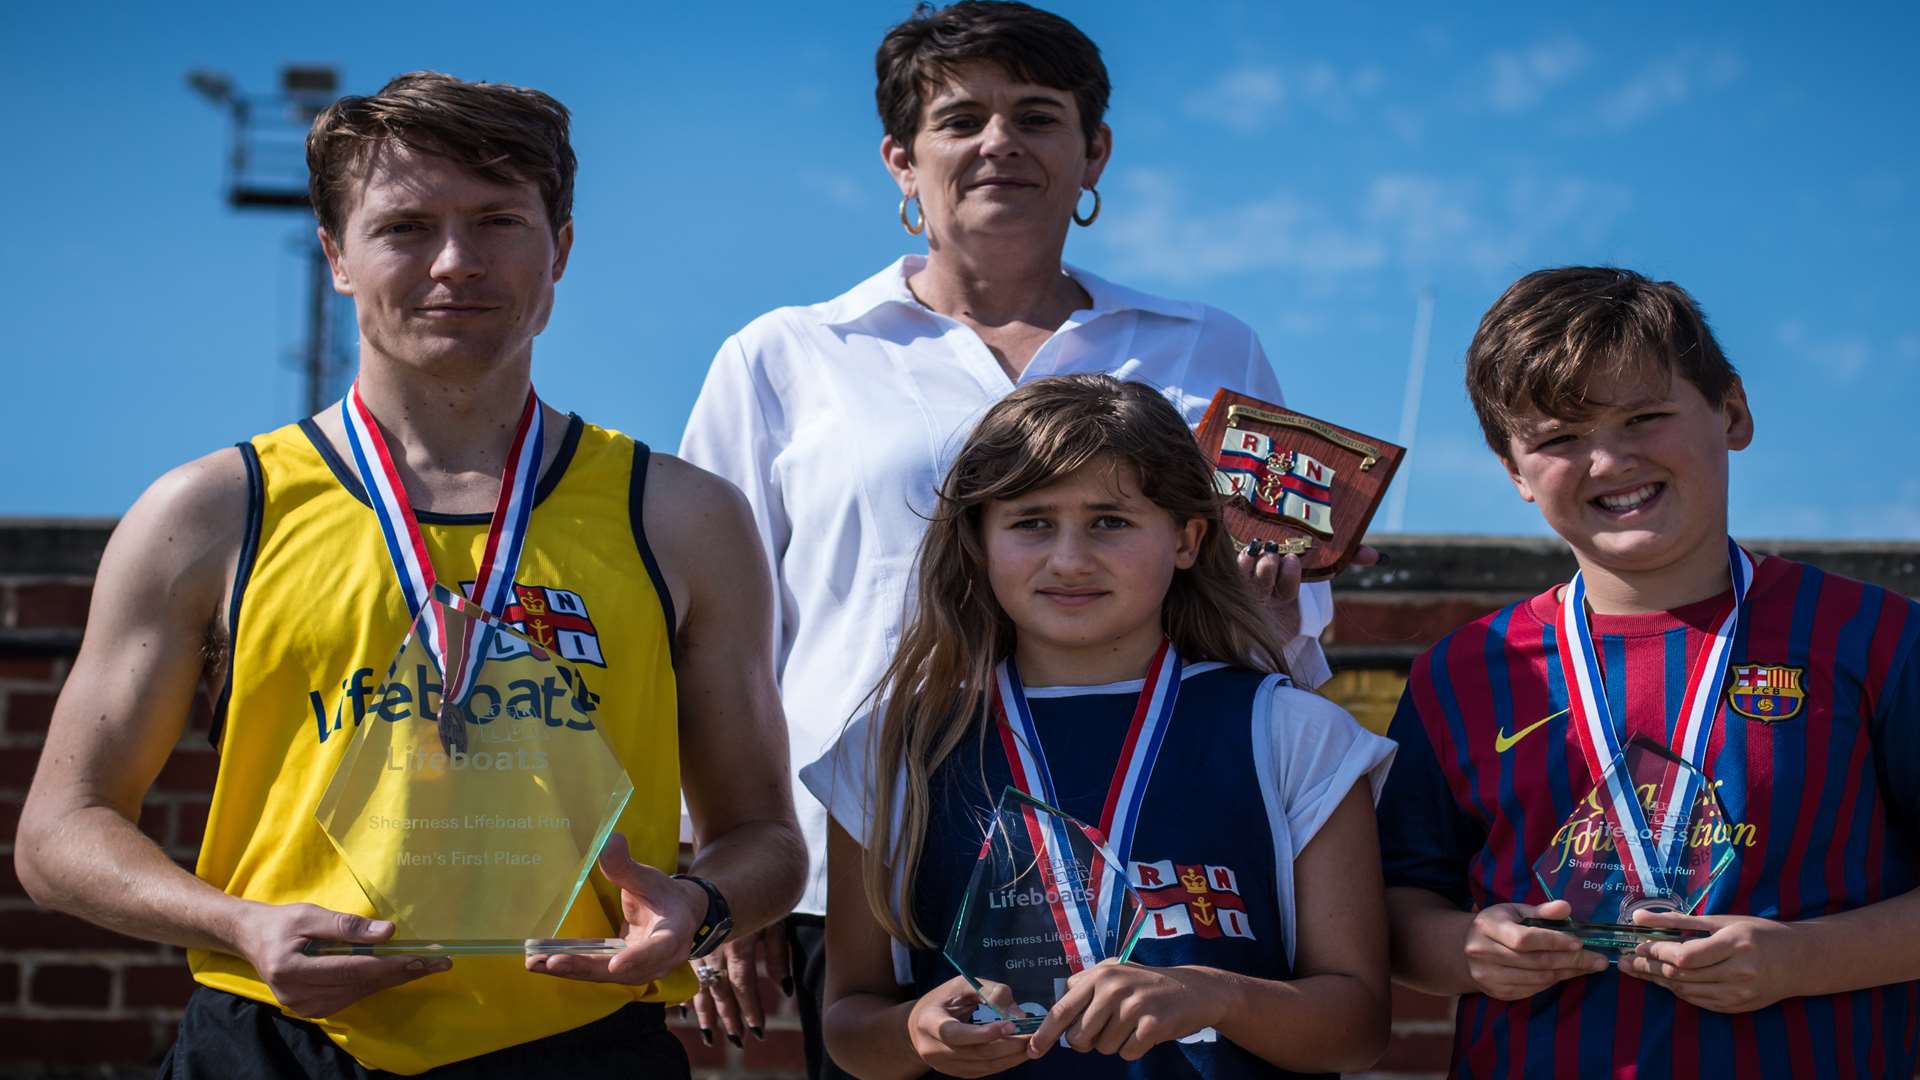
733, 735
156, 602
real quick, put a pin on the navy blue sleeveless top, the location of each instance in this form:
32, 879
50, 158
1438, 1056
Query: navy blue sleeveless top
1202, 857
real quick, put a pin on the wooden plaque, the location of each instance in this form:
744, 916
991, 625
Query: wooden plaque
1305, 484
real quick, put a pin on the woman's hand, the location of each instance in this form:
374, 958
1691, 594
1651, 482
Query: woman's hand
1744, 963
945, 1037
731, 1001
1127, 1009
1275, 580
1509, 961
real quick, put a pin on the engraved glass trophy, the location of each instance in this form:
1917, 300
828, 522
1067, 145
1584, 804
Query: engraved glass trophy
1608, 866
1046, 899
474, 797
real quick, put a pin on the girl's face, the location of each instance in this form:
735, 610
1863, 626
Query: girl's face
1082, 567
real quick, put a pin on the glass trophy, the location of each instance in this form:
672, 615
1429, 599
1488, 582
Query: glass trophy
471, 818
1687, 843
1046, 899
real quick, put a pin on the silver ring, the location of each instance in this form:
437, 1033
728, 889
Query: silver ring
707, 974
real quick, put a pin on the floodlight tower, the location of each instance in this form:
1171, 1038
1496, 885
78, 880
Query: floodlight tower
267, 170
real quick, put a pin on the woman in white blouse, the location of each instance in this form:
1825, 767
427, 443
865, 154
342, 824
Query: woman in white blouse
838, 419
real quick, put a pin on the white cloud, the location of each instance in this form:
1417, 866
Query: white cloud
1249, 98
1520, 80
838, 188
1842, 358
1668, 82
1244, 99
1413, 221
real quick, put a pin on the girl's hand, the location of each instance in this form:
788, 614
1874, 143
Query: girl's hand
1509, 961
948, 1042
1744, 963
1127, 1009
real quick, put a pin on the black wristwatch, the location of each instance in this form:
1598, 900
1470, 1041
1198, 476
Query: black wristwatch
713, 930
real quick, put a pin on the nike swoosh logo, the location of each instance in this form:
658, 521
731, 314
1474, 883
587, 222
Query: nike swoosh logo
1503, 742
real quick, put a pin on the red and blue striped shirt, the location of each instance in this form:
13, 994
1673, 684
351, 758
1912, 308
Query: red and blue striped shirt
1828, 780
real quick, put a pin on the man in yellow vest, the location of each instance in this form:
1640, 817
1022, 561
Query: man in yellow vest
282, 574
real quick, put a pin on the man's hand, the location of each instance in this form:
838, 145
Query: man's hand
1127, 1009
1275, 580
732, 1002
1509, 961
944, 1037
1744, 963
273, 938
661, 914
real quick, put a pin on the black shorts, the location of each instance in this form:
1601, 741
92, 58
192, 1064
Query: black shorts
224, 1036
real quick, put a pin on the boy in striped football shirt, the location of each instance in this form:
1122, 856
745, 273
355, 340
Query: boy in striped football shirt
1797, 693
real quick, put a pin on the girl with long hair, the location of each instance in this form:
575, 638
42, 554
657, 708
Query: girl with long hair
1075, 573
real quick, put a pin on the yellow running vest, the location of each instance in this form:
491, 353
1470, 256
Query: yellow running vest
317, 617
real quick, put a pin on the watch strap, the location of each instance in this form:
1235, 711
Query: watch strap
718, 923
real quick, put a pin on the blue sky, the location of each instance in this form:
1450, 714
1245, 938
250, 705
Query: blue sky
1309, 168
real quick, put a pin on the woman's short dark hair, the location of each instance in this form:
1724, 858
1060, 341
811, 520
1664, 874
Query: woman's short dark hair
506, 134
1029, 44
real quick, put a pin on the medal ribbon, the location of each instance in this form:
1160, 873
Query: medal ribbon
1600, 743
492, 587
1119, 817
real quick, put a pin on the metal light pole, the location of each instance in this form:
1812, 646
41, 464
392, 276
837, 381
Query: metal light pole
267, 170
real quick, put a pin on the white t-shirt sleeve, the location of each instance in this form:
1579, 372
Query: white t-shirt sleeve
842, 779
1317, 753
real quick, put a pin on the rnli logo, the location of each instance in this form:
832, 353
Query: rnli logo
555, 619
1184, 899
1767, 693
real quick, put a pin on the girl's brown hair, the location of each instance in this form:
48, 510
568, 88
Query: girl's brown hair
934, 692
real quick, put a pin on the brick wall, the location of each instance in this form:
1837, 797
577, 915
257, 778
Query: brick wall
76, 1000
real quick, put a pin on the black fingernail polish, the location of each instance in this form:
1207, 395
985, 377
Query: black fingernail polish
706, 1036
1383, 560
757, 1033
1273, 547
786, 986
735, 1040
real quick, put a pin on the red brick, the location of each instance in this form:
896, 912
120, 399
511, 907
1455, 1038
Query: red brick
1417, 1053
28, 668
1363, 620
189, 770
156, 820
1413, 1005
189, 823
700, 1055
781, 1050
156, 986
51, 604
9, 984
29, 712
16, 768
70, 985
75, 1041
51, 930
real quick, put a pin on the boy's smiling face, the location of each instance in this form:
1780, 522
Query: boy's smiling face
1639, 487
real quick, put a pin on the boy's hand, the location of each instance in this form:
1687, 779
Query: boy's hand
1127, 1009
944, 1036
1509, 961
1744, 963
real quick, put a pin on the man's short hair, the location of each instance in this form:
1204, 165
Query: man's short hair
1553, 333
506, 134
1030, 45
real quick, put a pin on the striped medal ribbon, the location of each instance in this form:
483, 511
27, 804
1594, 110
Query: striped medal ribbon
1118, 818
492, 587
1642, 856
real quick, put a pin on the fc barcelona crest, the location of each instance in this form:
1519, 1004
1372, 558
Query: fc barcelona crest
1767, 693
1305, 484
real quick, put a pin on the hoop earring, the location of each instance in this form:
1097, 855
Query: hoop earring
913, 228
1083, 222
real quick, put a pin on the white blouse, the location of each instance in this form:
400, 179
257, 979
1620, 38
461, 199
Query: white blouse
839, 421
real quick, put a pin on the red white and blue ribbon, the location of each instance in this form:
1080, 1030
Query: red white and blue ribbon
492, 587
1646, 848
1119, 817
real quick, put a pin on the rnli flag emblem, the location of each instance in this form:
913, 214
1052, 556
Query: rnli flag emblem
1764, 692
